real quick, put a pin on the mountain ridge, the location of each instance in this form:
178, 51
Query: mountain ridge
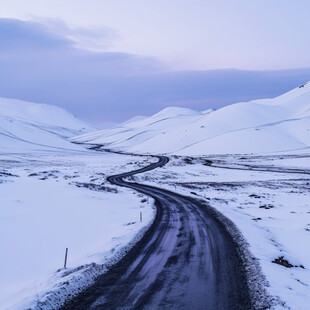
27, 126
258, 126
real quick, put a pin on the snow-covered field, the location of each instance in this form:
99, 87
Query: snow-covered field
50, 202
267, 197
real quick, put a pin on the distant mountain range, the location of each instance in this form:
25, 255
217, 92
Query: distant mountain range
258, 126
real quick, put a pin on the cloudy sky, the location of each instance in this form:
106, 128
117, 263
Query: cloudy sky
109, 60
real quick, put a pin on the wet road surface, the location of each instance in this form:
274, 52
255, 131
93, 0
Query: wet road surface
186, 260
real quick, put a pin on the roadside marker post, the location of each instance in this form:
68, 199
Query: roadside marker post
66, 255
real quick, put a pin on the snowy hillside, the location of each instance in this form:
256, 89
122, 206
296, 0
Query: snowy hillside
259, 126
26, 126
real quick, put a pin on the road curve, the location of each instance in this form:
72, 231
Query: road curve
186, 260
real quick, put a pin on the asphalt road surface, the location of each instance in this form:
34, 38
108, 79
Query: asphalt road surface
186, 260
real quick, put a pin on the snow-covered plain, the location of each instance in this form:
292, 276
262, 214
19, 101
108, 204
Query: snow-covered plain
50, 202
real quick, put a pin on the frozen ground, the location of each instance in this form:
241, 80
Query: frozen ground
50, 201
267, 197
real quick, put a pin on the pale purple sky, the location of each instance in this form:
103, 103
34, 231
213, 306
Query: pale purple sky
142, 55
196, 34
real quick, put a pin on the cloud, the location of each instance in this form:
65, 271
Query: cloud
91, 38
17, 35
53, 33
49, 48
41, 62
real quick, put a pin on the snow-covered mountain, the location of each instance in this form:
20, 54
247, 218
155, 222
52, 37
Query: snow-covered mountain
26, 126
258, 126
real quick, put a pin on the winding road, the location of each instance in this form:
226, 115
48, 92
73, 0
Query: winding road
186, 260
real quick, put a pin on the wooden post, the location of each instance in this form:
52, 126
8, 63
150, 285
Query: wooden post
140, 216
65, 265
